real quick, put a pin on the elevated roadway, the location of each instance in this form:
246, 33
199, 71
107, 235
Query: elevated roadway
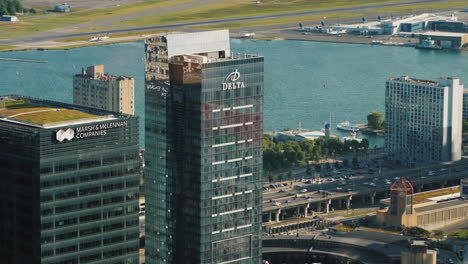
308, 198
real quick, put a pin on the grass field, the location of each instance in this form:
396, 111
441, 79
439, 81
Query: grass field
425, 7
52, 21
6, 47
242, 8
278, 21
31, 113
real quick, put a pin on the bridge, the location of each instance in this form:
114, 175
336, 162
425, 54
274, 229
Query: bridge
303, 200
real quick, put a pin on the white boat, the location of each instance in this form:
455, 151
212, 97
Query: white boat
93, 39
352, 137
347, 126
428, 43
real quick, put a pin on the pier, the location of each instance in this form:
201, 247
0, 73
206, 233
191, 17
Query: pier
22, 60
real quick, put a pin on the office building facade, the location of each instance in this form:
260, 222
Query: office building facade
204, 126
423, 120
93, 88
69, 185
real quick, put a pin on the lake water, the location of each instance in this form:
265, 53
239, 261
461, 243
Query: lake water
304, 81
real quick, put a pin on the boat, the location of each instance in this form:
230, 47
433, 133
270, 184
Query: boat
346, 126
428, 43
352, 137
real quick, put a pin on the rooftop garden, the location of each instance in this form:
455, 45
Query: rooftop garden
21, 110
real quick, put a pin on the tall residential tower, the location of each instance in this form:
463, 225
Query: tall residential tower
204, 125
93, 88
423, 120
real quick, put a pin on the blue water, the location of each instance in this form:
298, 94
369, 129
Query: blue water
304, 81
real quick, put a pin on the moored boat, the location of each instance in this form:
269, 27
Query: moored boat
346, 126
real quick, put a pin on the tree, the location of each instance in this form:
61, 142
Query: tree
18, 6
416, 232
355, 162
3, 9
280, 177
290, 175
318, 167
11, 8
345, 162
308, 170
439, 234
375, 120
270, 177
32, 11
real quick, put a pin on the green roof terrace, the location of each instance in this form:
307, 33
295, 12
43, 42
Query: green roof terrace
44, 113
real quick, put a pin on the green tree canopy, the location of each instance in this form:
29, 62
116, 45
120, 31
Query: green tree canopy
375, 120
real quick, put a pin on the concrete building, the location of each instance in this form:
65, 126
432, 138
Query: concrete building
422, 209
423, 120
419, 254
10, 18
204, 126
93, 88
448, 26
446, 40
68, 185
410, 24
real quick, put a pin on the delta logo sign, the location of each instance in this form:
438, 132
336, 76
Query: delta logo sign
232, 81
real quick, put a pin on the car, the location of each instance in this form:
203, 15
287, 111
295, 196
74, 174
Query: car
303, 190
372, 184
396, 178
299, 196
277, 203
388, 183
366, 183
349, 190
291, 193
281, 191
339, 189
272, 186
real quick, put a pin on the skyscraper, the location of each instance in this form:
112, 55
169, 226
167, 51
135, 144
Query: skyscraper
93, 88
69, 184
204, 124
423, 120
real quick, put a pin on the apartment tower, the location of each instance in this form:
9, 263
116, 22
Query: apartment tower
93, 88
423, 120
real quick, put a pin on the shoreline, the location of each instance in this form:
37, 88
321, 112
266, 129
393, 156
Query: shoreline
284, 35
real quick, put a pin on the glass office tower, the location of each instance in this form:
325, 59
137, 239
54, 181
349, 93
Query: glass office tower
204, 110
69, 184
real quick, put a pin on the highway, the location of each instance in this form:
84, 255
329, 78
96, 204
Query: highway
58, 33
361, 184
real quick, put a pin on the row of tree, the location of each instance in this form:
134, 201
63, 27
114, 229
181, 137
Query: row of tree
280, 155
10, 7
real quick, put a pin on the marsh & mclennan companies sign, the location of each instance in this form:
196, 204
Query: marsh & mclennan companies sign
232, 81
87, 131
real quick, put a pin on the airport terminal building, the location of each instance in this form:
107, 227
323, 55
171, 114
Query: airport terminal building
69, 184
204, 126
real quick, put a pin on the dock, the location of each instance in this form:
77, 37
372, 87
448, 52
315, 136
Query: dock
22, 60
